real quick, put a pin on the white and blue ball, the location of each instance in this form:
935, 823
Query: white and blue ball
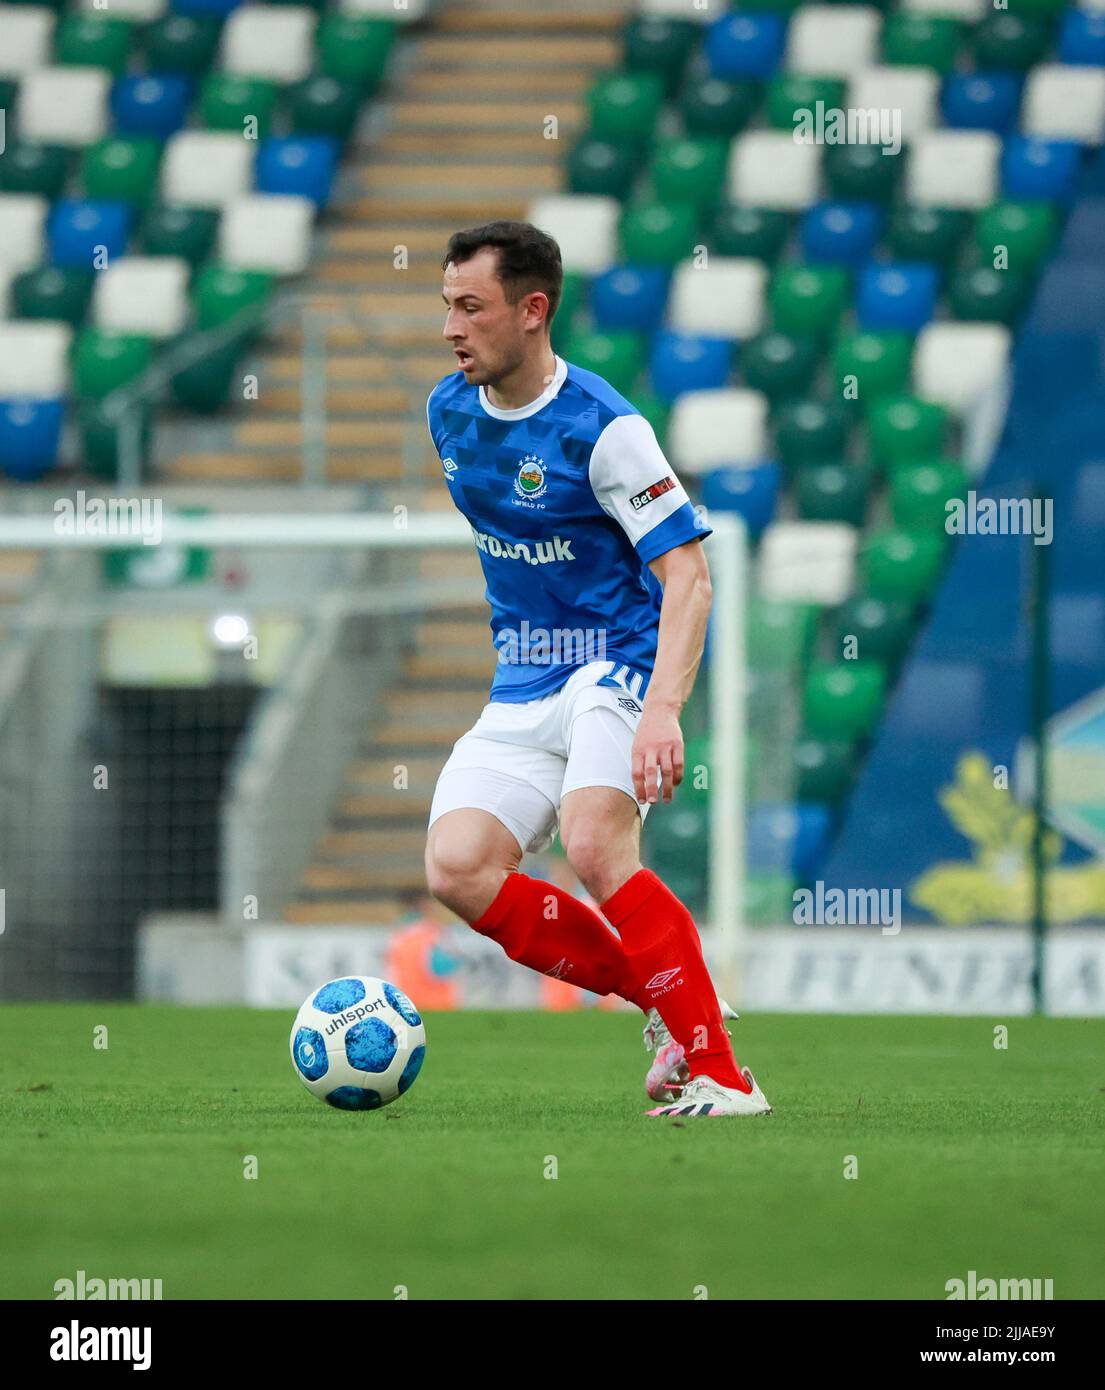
358, 1043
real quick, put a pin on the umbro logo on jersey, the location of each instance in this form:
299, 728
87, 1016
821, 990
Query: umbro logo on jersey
662, 978
533, 553
650, 494
450, 466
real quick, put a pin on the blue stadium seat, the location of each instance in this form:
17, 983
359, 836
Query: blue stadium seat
29, 434
1044, 169
752, 492
896, 296
77, 226
745, 45
981, 101
686, 362
840, 233
299, 164
790, 839
150, 104
205, 7
630, 296
1082, 38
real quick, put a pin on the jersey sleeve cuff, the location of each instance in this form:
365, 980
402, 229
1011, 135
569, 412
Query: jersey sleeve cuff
676, 530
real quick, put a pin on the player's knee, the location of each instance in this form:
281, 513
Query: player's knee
455, 876
591, 860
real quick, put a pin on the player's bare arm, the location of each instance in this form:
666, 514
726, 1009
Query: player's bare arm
685, 576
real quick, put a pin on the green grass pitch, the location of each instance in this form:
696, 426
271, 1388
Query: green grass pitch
128, 1162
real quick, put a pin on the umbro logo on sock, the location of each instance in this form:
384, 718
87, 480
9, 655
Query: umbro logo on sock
662, 978
560, 969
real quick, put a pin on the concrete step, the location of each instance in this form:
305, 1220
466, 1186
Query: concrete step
331, 912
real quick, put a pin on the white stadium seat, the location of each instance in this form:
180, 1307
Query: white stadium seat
956, 363
64, 106
585, 225
722, 299
833, 40
954, 169
7, 275
28, 32
912, 91
768, 169
206, 168
271, 41
267, 231
968, 10
22, 230
807, 561
1063, 102
34, 358
142, 294
142, 10
709, 429
684, 9
406, 13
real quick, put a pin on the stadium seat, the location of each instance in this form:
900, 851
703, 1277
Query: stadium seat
751, 492
926, 234
64, 105
22, 226
655, 43
903, 427
1027, 231
840, 233
104, 361
823, 769
206, 168
222, 293
53, 292
624, 105
954, 169
876, 364
810, 431
714, 106
93, 40
792, 97
780, 635
682, 362
617, 356
981, 101
29, 168
862, 173
767, 168
266, 232
177, 231
984, 294
902, 564
30, 431
602, 167
655, 233
182, 44
913, 93
833, 492
302, 165
744, 45
881, 628
1062, 102
808, 299
149, 104
844, 699
1005, 40
1082, 38
87, 233
746, 231
781, 365
711, 429
912, 39
810, 562
896, 297
28, 36
355, 47
204, 385
34, 359
956, 363
790, 839
122, 169
143, 295
586, 229
630, 297
237, 104
722, 299
323, 105
690, 170
270, 41
1039, 169
832, 40
919, 494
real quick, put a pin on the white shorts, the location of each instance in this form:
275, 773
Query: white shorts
518, 761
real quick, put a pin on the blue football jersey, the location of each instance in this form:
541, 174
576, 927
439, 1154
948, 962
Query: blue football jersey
568, 498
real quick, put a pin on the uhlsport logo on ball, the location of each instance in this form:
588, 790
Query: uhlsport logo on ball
358, 1043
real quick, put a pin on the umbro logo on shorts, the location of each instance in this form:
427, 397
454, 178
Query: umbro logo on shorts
628, 704
662, 978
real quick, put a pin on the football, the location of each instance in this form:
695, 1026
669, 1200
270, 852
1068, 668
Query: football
358, 1043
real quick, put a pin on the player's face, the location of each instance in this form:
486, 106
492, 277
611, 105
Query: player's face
485, 331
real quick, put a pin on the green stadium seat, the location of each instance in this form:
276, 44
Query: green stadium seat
102, 361
659, 233
180, 231
625, 105
603, 167
809, 299
823, 769
878, 362
353, 48
905, 428
926, 234
743, 231
88, 40
833, 492
843, 700
617, 355
205, 385
324, 105
696, 754
222, 293
919, 494
683, 846
53, 292
1005, 41
881, 629
769, 899
227, 101
656, 412
571, 297
1026, 230
791, 92
182, 43
902, 565
100, 437
716, 106
811, 431
654, 43
982, 294
780, 635
911, 39
690, 171
780, 365
26, 167
862, 173
122, 169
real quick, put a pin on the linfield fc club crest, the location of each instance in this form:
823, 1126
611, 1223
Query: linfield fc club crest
530, 482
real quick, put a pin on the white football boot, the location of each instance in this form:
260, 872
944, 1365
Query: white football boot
701, 1096
669, 1071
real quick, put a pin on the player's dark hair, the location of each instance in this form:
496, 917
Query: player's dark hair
529, 259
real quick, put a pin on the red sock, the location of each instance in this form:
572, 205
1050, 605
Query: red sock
539, 925
663, 947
